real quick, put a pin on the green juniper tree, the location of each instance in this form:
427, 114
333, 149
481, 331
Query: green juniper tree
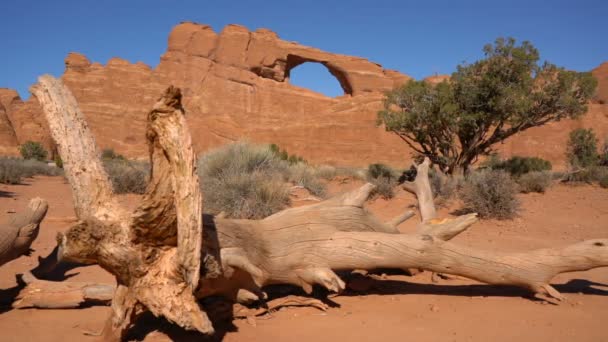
508, 91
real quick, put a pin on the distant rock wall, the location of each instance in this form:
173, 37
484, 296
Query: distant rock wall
236, 86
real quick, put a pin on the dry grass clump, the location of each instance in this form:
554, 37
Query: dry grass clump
13, 170
243, 181
384, 178
127, 176
303, 175
491, 194
329, 172
538, 181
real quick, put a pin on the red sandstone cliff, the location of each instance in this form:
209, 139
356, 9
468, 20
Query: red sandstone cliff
236, 86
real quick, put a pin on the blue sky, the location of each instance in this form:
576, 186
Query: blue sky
419, 38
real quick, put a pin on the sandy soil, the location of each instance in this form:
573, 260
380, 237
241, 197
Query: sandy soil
396, 308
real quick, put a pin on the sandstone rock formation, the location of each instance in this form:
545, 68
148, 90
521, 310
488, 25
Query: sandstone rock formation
26, 120
236, 86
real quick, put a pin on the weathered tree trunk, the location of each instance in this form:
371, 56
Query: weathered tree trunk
60, 295
17, 236
167, 253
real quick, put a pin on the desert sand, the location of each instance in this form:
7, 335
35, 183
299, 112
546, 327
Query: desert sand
396, 307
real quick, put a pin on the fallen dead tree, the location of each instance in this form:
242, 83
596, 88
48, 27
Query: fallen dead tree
167, 254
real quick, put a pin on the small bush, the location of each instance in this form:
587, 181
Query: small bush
588, 175
244, 181
327, 172
604, 181
13, 170
33, 150
379, 171
330, 172
535, 182
603, 157
444, 187
283, 155
493, 162
491, 194
10, 171
384, 178
109, 154
581, 149
517, 166
127, 176
303, 175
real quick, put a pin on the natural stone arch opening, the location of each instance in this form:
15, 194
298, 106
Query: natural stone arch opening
340, 76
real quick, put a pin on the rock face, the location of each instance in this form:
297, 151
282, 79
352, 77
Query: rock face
236, 86
26, 119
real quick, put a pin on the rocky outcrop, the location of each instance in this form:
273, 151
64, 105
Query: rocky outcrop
236, 86
435, 79
26, 119
8, 140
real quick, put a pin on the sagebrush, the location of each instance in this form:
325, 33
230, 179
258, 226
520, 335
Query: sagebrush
243, 181
491, 194
13, 170
384, 178
537, 181
303, 175
127, 176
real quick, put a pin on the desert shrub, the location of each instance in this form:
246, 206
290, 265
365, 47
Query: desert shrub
109, 153
33, 150
127, 176
581, 149
492, 162
384, 178
379, 170
444, 187
603, 182
518, 166
10, 171
13, 170
603, 157
536, 181
491, 194
303, 175
588, 175
329, 172
283, 155
244, 181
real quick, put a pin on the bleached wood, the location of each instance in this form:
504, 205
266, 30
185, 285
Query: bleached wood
44, 294
91, 187
421, 187
149, 251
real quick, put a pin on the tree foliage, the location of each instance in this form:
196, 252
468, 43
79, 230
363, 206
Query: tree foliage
581, 150
484, 103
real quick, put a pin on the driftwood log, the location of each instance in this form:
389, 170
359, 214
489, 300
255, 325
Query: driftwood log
17, 236
167, 254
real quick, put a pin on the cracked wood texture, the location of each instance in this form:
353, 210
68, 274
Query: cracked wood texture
155, 253
17, 236
151, 252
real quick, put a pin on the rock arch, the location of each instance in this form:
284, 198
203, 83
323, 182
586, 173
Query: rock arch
340, 74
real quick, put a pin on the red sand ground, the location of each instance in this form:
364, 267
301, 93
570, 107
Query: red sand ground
398, 308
